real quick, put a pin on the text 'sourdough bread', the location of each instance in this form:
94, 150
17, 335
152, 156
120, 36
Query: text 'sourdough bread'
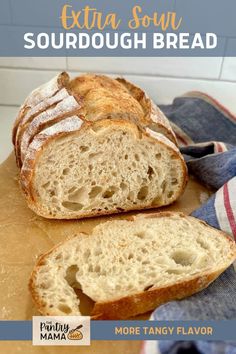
95, 145
131, 266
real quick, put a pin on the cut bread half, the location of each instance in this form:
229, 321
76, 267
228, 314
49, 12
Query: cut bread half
128, 267
77, 169
33, 112
103, 172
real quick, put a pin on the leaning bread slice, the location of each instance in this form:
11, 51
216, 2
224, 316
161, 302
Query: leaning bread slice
131, 266
103, 167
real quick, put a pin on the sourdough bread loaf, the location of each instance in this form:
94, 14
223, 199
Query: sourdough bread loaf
131, 266
121, 156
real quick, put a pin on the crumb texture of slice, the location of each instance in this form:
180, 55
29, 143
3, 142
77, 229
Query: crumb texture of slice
126, 258
108, 167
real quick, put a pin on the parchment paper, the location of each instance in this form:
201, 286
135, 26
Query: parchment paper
24, 236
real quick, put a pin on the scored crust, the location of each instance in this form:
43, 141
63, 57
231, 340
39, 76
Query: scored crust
153, 117
84, 83
99, 97
69, 126
119, 92
33, 112
142, 302
38, 95
67, 107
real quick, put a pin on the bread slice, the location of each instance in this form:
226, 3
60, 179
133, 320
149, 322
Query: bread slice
103, 167
131, 266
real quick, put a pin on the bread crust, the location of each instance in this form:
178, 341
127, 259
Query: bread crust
42, 140
153, 117
84, 83
41, 99
39, 303
39, 94
33, 112
44, 120
136, 304
132, 305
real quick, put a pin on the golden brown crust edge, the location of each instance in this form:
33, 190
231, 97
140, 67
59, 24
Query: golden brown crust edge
145, 301
21, 114
134, 305
27, 171
153, 115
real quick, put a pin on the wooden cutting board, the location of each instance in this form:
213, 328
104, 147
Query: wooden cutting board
24, 236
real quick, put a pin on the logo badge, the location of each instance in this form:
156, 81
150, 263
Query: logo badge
61, 330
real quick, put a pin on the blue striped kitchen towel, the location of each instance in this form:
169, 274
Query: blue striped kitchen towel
206, 132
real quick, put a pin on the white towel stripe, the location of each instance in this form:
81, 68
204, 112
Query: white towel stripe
150, 347
232, 195
221, 212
